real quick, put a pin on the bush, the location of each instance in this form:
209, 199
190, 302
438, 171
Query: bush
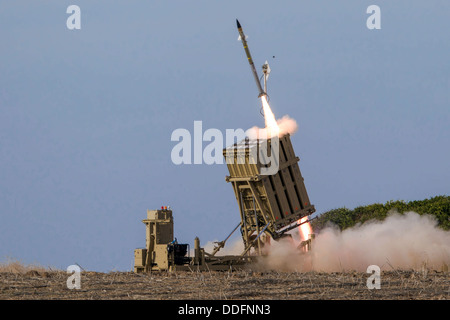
438, 206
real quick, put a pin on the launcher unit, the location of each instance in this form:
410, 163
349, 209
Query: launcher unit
271, 204
271, 197
163, 252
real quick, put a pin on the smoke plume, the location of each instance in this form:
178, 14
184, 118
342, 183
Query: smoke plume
231, 248
401, 241
286, 125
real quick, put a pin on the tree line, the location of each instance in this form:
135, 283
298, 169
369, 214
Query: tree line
438, 206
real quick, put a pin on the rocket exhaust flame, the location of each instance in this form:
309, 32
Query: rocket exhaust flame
304, 229
271, 124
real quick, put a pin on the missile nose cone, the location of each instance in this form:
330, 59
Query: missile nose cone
238, 24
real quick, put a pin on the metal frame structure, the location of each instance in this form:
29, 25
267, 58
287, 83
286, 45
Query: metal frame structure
269, 205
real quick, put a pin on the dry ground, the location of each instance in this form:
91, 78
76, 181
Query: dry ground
396, 284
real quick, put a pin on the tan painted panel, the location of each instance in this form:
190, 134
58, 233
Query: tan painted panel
139, 257
294, 200
281, 194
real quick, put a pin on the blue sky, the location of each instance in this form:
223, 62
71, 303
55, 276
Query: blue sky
86, 115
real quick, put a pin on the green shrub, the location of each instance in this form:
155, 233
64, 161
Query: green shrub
438, 206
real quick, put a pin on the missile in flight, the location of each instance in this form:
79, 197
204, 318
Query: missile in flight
243, 38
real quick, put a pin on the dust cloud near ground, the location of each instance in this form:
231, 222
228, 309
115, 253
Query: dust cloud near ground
401, 241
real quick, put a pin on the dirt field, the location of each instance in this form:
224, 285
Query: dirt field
236, 285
